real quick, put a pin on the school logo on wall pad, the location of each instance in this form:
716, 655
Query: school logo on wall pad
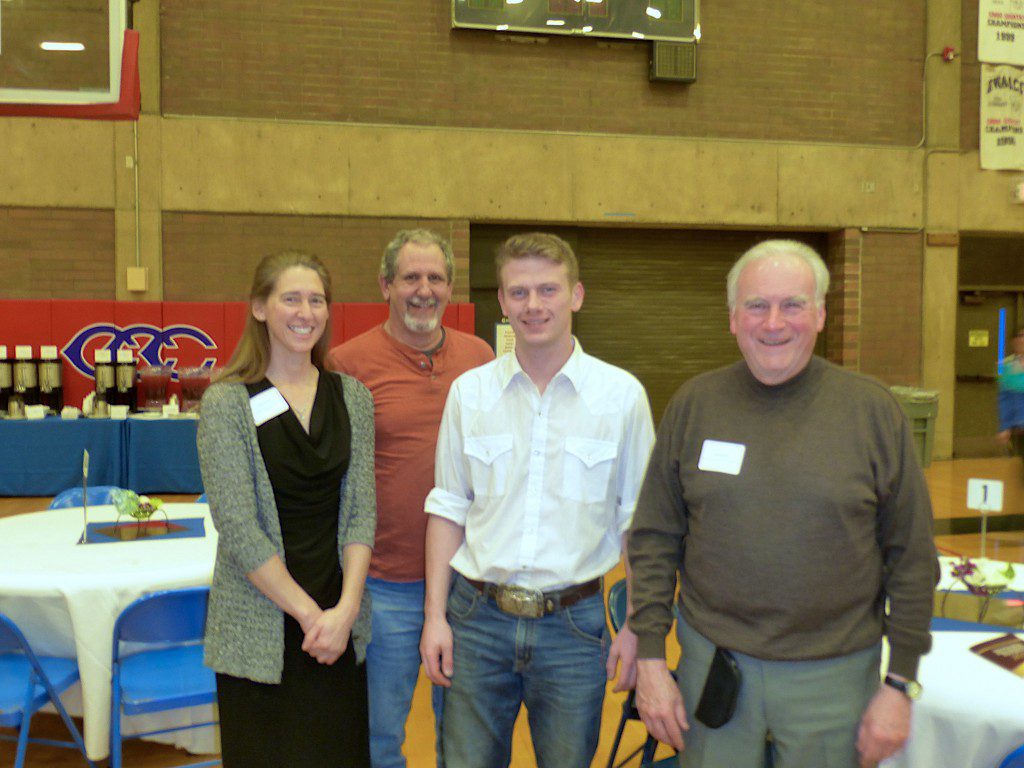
155, 345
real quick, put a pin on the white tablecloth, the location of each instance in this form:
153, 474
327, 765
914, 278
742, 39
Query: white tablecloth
65, 597
971, 714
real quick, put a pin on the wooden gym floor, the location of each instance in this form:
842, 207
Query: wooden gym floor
957, 533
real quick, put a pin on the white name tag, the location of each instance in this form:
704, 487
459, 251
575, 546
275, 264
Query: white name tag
718, 456
266, 405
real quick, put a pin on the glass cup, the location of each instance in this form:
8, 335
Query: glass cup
154, 381
194, 382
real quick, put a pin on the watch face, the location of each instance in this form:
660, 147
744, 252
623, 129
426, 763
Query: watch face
909, 688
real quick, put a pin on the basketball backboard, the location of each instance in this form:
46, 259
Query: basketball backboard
62, 53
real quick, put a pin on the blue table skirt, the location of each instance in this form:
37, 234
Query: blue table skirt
162, 457
42, 458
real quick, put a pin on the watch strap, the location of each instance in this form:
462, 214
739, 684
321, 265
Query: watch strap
909, 688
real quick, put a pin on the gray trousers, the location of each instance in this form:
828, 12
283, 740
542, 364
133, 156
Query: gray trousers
812, 709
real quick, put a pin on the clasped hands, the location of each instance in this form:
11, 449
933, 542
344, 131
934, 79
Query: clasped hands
327, 633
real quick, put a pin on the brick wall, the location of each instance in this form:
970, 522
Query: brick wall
801, 70
891, 289
874, 304
843, 301
211, 257
56, 253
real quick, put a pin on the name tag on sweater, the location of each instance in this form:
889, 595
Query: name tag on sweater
719, 456
266, 405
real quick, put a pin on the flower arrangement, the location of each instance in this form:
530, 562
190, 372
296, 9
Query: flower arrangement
141, 508
981, 578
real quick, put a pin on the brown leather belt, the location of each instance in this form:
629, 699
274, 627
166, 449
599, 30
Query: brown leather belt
532, 603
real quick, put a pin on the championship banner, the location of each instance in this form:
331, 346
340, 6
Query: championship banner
176, 334
1002, 117
1001, 31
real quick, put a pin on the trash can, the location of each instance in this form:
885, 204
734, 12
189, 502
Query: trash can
921, 407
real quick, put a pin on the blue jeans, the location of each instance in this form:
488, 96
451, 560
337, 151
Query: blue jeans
393, 666
555, 665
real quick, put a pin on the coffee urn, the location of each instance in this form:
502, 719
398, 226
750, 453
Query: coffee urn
26, 383
51, 385
125, 380
106, 390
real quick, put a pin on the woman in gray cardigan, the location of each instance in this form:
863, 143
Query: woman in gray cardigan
286, 452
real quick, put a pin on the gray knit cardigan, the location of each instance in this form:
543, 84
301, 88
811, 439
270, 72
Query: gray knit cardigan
244, 629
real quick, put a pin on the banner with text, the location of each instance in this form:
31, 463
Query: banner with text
1001, 31
1002, 117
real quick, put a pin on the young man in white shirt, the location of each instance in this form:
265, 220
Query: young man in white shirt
540, 458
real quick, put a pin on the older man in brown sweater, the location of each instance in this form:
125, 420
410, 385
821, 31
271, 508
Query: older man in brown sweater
786, 494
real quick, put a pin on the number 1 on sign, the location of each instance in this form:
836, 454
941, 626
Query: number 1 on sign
985, 495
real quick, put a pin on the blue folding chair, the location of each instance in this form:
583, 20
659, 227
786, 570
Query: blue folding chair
163, 668
1015, 759
28, 682
72, 497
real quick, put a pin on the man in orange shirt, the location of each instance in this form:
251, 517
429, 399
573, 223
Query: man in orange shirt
408, 363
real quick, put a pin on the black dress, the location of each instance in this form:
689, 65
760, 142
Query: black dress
317, 715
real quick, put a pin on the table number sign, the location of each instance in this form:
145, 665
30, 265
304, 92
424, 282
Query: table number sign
984, 496
85, 497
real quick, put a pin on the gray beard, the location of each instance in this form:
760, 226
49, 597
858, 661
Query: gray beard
420, 326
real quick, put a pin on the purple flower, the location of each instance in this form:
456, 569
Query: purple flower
964, 567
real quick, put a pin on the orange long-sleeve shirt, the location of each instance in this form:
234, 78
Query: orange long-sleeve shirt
409, 395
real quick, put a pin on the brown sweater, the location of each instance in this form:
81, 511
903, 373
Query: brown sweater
794, 557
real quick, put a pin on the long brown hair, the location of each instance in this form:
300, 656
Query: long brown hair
251, 357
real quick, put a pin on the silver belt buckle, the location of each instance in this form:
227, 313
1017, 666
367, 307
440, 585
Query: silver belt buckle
520, 601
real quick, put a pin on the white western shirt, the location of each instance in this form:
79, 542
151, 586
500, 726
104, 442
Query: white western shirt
544, 485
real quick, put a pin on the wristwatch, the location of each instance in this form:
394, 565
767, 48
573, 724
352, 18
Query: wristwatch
909, 688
